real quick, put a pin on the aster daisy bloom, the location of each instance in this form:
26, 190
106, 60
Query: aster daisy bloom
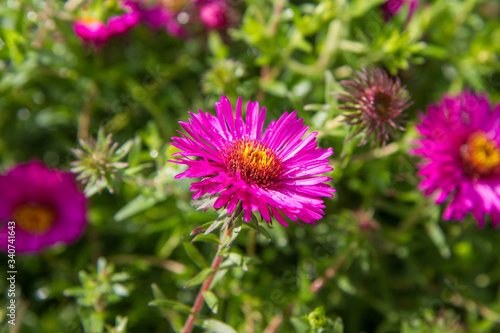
270, 172
461, 151
45, 205
214, 15
91, 31
375, 102
121, 24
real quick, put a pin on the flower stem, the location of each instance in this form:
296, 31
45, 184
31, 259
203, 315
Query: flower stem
195, 310
330, 272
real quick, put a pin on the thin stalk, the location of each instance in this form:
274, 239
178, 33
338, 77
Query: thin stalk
330, 272
198, 303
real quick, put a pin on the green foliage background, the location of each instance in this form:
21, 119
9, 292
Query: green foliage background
397, 267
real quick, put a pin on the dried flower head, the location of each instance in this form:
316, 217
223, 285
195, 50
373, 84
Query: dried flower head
376, 102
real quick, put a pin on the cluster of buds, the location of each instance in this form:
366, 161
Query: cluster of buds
179, 18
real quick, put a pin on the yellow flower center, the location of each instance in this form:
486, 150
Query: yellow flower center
253, 161
34, 219
175, 5
88, 20
481, 156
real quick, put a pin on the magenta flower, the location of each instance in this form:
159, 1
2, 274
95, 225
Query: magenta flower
214, 15
461, 151
121, 24
157, 17
267, 172
45, 205
91, 31
393, 7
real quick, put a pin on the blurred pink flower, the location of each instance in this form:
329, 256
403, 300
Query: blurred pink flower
91, 31
156, 17
392, 7
45, 205
461, 151
214, 15
254, 171
121, 24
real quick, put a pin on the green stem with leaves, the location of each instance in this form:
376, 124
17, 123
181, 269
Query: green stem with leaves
198, 303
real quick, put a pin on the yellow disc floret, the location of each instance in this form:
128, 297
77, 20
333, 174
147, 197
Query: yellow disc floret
253, 161
33, 218
481, 155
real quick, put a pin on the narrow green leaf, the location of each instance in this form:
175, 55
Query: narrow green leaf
218, 48
438, 237
157, 293
346, 285
12, 39
137, 205
171, 305
200, 278
211, 301
215, 326
209, 238
275, 88
172, 316
262, 229
194, 254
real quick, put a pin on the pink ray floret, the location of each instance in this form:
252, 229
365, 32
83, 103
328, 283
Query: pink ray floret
461, 151
273, 171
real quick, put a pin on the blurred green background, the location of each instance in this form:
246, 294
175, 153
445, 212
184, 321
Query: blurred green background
397, 267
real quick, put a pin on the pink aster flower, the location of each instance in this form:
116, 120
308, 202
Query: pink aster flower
461, 151
91, 31
269, 171
157, 17
214, 15
121, 24
45, 205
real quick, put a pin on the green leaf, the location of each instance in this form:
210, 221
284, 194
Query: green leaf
12, 38
172, 316
217, 46
194, 254
157, 293
137, 205
275, 88
134, 156
360, 7
438, 237
236, 231
215, 326
199, 278
346, 285
209, 238
171, 305
237, 260
211, 301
